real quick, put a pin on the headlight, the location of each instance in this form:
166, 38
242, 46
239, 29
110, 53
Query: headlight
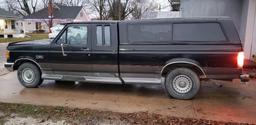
7, 54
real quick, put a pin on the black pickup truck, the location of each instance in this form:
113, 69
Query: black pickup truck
177, 53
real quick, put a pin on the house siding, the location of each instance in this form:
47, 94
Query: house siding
203, 8
250, 31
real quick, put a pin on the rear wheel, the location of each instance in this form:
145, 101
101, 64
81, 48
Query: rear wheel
182, 83
29, 75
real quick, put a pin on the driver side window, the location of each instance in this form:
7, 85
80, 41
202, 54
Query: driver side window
77, 35
74, 35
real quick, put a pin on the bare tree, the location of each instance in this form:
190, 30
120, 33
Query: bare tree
72, 2
33, 5
141, 7
22, 7
100, 6
175, 5
45, 3
119, 10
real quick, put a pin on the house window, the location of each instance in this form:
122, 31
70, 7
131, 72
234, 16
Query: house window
38, 26
13, 24
6, 24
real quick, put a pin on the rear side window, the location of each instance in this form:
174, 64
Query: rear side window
201, 32
149, 33
103, 36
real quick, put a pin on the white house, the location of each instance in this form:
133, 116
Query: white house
8, 27
38, 21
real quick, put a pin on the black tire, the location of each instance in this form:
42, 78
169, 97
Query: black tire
182, 83
33, 70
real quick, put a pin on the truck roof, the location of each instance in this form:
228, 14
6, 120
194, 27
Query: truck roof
159, 19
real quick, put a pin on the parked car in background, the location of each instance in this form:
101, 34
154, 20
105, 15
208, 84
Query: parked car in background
55, 31
176, 53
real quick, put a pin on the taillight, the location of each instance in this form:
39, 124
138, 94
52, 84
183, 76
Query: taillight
240, 59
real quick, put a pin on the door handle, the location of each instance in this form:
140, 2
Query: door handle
62, 49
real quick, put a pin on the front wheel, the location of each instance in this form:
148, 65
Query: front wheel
182, 83
29, 75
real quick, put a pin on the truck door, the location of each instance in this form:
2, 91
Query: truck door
71, 50
104, 50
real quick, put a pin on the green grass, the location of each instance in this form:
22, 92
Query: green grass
32, 37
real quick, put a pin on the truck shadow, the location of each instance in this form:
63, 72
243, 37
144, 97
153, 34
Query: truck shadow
225, 94
143, 90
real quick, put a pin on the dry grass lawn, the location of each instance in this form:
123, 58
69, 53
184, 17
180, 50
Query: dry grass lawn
32, 37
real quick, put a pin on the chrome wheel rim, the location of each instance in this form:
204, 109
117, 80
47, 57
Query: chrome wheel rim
182, 84
28, 75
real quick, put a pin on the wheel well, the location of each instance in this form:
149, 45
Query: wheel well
20, 62
195, 68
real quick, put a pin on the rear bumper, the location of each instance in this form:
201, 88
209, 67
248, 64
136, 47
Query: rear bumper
221, 73
245, 78
9, 66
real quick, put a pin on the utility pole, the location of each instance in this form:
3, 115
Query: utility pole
50, 14
119, 9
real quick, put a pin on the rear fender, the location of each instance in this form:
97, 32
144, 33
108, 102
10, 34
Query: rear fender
185, 63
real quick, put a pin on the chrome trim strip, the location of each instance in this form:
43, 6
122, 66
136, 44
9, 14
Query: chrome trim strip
8, 63
122, 49
29, 60
103, 79
176, 62
85, 78
52, 77
142, 80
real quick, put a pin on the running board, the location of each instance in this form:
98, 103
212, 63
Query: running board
95, 79
131, 80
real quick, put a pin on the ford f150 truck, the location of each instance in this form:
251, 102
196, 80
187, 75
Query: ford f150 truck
177, 53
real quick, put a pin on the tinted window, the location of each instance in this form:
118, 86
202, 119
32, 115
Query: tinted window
99, 36
144, 33
62, 39
77, 35
198, 32
103, 36
107, 35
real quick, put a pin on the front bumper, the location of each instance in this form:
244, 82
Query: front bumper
9, 66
